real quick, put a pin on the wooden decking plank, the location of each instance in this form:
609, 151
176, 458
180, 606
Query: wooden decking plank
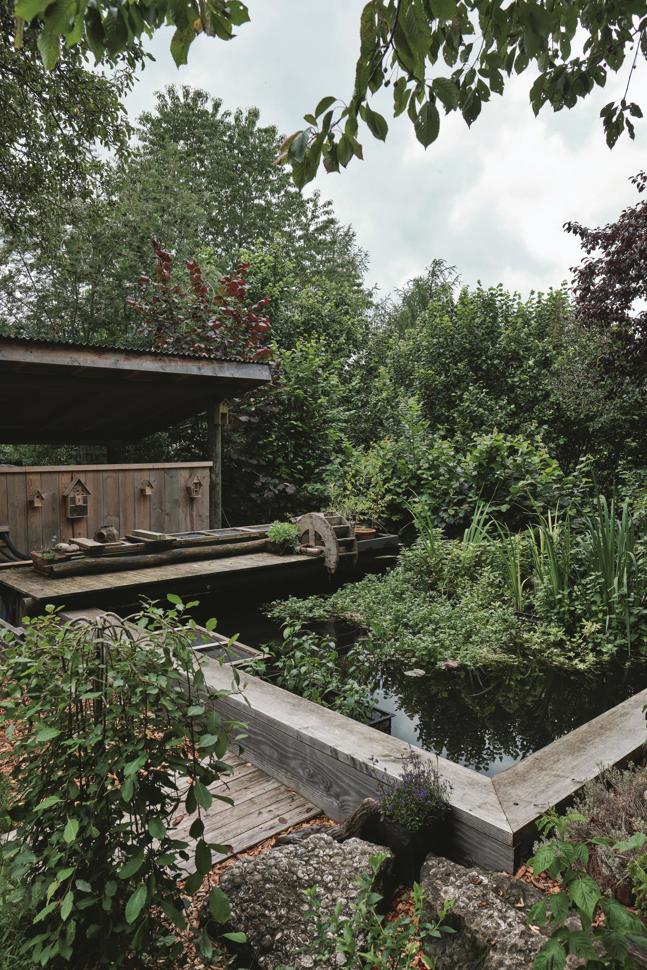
28, 582
262, 807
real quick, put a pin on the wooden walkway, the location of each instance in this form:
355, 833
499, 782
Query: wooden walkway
263, 807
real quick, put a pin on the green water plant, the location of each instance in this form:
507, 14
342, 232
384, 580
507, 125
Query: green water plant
113, 738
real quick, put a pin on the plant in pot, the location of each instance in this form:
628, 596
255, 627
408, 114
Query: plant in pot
413, 812
282, 537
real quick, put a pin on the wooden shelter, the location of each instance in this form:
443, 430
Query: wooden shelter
65, 393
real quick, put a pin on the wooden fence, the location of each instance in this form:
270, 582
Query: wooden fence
146, 496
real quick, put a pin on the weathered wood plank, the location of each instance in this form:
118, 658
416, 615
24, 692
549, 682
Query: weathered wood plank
553, 774
29, 583
335, 762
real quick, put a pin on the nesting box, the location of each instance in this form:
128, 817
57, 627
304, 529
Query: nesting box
146, 487
76, 499
37, 499
194, 488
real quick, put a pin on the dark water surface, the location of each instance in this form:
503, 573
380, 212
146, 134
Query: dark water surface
483, 720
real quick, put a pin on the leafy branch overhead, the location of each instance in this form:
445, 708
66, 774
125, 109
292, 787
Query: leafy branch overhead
437, 56
441, 56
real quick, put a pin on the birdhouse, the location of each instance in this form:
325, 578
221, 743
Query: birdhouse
37, 499
194, 488
76, 499
146, 487
223, 412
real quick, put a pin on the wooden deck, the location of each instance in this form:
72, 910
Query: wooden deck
263, 807
20, 583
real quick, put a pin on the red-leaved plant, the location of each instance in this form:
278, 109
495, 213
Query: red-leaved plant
199, 318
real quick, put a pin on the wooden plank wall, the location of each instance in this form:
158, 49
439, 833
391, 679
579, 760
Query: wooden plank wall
116, 499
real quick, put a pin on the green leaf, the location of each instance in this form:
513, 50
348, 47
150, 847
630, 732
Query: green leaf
172, 913
219, 906
444, 9
202, 857
47, 803
83, 886
132, 866
47, 734
128, 789
174, 599
193, 883
49, 46
324, 104
552, 956
376, 123
28, 9
235, 937
585, 893
157, 828
134, 766
544, 858
196, 710
203, 796
636, 841
71, 830
447, 91
66, 905
135, 904
427, 124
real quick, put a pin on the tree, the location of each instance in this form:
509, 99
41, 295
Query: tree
449, 55
51, 123
610, 284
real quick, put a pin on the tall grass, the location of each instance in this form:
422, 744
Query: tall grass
479, 529
611, 542
512, 566
551, 545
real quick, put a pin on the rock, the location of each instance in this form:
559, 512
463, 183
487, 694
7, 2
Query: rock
489, 913
266, 894
416, 672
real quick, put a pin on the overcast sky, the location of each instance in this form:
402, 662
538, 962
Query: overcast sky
491, 199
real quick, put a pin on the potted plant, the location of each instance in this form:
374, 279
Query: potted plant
282, 537
412, 812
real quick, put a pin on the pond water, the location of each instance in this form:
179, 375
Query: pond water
484, 720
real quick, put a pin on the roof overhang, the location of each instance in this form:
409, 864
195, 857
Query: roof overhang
58, 393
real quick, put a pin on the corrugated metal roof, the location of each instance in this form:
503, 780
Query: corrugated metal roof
126, 348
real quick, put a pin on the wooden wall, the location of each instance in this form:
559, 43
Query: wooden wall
116, 499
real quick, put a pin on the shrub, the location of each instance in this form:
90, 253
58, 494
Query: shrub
284, 535
607, 927
419, 797
112, 737
309, 665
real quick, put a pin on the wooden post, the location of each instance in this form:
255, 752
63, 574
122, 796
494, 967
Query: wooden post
214, 454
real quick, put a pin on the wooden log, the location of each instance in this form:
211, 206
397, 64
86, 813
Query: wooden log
88, 565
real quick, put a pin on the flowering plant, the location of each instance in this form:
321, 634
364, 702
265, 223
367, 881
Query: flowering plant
200, 318
419, 797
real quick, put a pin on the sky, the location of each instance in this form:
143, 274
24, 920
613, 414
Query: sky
490, 200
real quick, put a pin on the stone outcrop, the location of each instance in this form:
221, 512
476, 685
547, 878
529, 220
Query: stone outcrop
268, 904
489, 913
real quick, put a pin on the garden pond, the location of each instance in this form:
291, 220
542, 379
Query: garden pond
485, 720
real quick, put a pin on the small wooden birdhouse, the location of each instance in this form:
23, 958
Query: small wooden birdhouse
194, 488
37, 499
223, 412
146, 487
76, 499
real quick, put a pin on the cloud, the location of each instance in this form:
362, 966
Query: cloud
491, 199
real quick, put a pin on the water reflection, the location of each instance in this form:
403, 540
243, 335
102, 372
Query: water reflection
489, 721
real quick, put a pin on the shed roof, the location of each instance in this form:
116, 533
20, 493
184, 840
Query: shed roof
74, 393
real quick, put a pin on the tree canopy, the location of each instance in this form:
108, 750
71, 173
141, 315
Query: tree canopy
436, 56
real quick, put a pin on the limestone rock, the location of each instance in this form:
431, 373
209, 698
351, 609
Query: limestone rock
266, 894
489, 913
